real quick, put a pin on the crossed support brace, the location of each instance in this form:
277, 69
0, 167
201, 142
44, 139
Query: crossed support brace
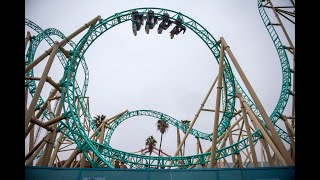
270, 136
30, 118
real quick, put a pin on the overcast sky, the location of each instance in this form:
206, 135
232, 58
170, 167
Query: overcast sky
152, 71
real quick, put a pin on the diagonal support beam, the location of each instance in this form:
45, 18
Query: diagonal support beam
216, 115
275, 136
28, 38
245, 119
264, 133
36, 96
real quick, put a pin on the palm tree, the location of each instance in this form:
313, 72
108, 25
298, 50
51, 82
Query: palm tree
187, 124
98, 120
163, 127
151, 143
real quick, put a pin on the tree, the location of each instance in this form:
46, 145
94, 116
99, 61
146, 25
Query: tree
151, 143
163, 127
98, 119
187, 124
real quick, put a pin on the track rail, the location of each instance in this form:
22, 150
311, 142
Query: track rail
103, 153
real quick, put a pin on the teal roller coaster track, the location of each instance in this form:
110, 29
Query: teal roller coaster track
104, 153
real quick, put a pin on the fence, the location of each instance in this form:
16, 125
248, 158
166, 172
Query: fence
265, 173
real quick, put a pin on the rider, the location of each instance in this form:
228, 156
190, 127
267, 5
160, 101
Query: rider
151, 20
178, 28
137, 19
166, 22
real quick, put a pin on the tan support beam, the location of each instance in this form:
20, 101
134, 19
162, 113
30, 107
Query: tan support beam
211, 110
221, 163
293, 97
222, 137
26, 99
216, 115
200, 147
262, 156
245, 119
240, 131
248, 157
54, 98
54, 120
49, 142
197, 150
48, 79
225, 136
38, 60
46, 124
195, 117
88, 104
265, 145
113, 118
265, 135
93, 135
225, 162
290, 129
291, 136
40, 123
49, 147
65, 52
55, 152
35, 98
85, 26
102, 133
77, 164
35, 147
31, 139
276, 160
178, 142
108, 122
266, 148
43, 107
71, 158
281, 24
31, 136
62, 43
82, 160
275, 136
28, 38
239, 160
231, 142
35, 151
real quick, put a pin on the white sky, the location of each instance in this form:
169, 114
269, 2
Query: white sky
158, 73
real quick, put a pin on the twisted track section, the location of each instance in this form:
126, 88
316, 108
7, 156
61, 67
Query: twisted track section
36, 40
104, 152
134, 160
77, 133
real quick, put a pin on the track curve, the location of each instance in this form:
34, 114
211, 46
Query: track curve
109, 152
104, 152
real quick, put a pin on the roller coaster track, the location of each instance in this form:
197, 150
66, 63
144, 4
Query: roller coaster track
104, 153
36, 40
45, 35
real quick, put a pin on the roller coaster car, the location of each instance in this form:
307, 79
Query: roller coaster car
151, 21
166, 22
137, 21
176, 30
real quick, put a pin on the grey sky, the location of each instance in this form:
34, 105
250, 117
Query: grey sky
158, 73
